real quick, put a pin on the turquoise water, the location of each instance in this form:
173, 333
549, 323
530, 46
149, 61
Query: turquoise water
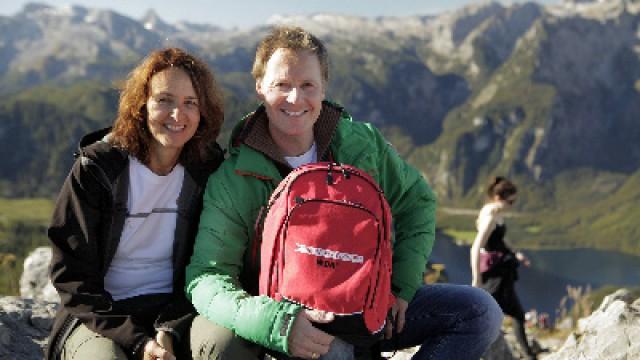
543, 285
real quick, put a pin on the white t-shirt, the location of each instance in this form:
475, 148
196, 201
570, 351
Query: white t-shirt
489, 217
143, 261
308, 157
490, 212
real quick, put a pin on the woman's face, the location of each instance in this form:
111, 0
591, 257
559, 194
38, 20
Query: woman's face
508, 202
292, 90
173, 110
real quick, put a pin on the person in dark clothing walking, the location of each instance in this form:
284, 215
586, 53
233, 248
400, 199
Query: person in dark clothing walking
493, 263
125, 220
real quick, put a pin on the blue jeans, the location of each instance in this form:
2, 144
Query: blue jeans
449, 322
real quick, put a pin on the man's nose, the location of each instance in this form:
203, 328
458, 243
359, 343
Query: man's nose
293, 95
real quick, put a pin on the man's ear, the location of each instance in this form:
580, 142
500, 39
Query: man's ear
259, 89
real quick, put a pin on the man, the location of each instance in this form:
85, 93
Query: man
295, 126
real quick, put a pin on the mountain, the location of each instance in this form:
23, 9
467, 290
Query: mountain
548, 95
565, 98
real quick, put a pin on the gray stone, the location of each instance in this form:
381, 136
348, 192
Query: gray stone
611, 332
35, 282
499, 350
24, 327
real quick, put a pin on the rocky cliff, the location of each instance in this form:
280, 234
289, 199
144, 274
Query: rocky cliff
612, 332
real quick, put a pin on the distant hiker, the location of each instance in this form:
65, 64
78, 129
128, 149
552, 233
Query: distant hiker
493, 263
296, 126
127, 215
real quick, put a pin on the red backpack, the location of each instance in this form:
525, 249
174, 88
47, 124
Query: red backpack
326, 243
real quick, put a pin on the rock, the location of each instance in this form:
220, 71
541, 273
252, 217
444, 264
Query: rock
499, 350
620, 294
405, 354
25, 321
34, 282
24, 327
611, 332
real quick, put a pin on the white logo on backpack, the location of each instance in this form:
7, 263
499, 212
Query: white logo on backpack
329, 254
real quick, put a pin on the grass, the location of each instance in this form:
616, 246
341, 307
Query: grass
23, 225
534, 229
26, 210
460, 236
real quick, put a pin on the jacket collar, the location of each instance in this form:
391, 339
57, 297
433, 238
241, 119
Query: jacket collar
96, 145
254, 134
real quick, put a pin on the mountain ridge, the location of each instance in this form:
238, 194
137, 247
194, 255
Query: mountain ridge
542, 94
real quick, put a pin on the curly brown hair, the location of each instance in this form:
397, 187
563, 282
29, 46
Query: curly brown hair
293, 38
130, 131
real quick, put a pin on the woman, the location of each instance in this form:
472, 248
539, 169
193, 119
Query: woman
295, 125
126, 217
493, 263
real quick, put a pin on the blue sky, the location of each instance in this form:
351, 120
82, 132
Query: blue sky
239, 13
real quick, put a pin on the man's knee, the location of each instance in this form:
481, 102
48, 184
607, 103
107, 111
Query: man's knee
477, 311
212, 341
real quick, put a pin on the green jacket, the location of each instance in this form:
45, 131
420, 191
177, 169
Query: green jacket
242, 186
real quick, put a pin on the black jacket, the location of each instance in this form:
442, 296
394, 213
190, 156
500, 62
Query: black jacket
85, 231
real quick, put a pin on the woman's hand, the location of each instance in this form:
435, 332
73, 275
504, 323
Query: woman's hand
523, 259
165, 340
307, 342
154, 351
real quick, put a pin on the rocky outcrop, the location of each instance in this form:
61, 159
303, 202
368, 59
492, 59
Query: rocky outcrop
24, 327
25, 321
500, 350
611, 332
34, 282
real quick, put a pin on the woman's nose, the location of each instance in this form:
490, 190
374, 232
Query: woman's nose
177, 112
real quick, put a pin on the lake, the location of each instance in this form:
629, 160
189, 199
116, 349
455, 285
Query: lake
543, 285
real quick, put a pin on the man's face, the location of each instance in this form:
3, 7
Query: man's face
292, 90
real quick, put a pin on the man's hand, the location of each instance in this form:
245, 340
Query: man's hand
153, 351
307, 342
398, 311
